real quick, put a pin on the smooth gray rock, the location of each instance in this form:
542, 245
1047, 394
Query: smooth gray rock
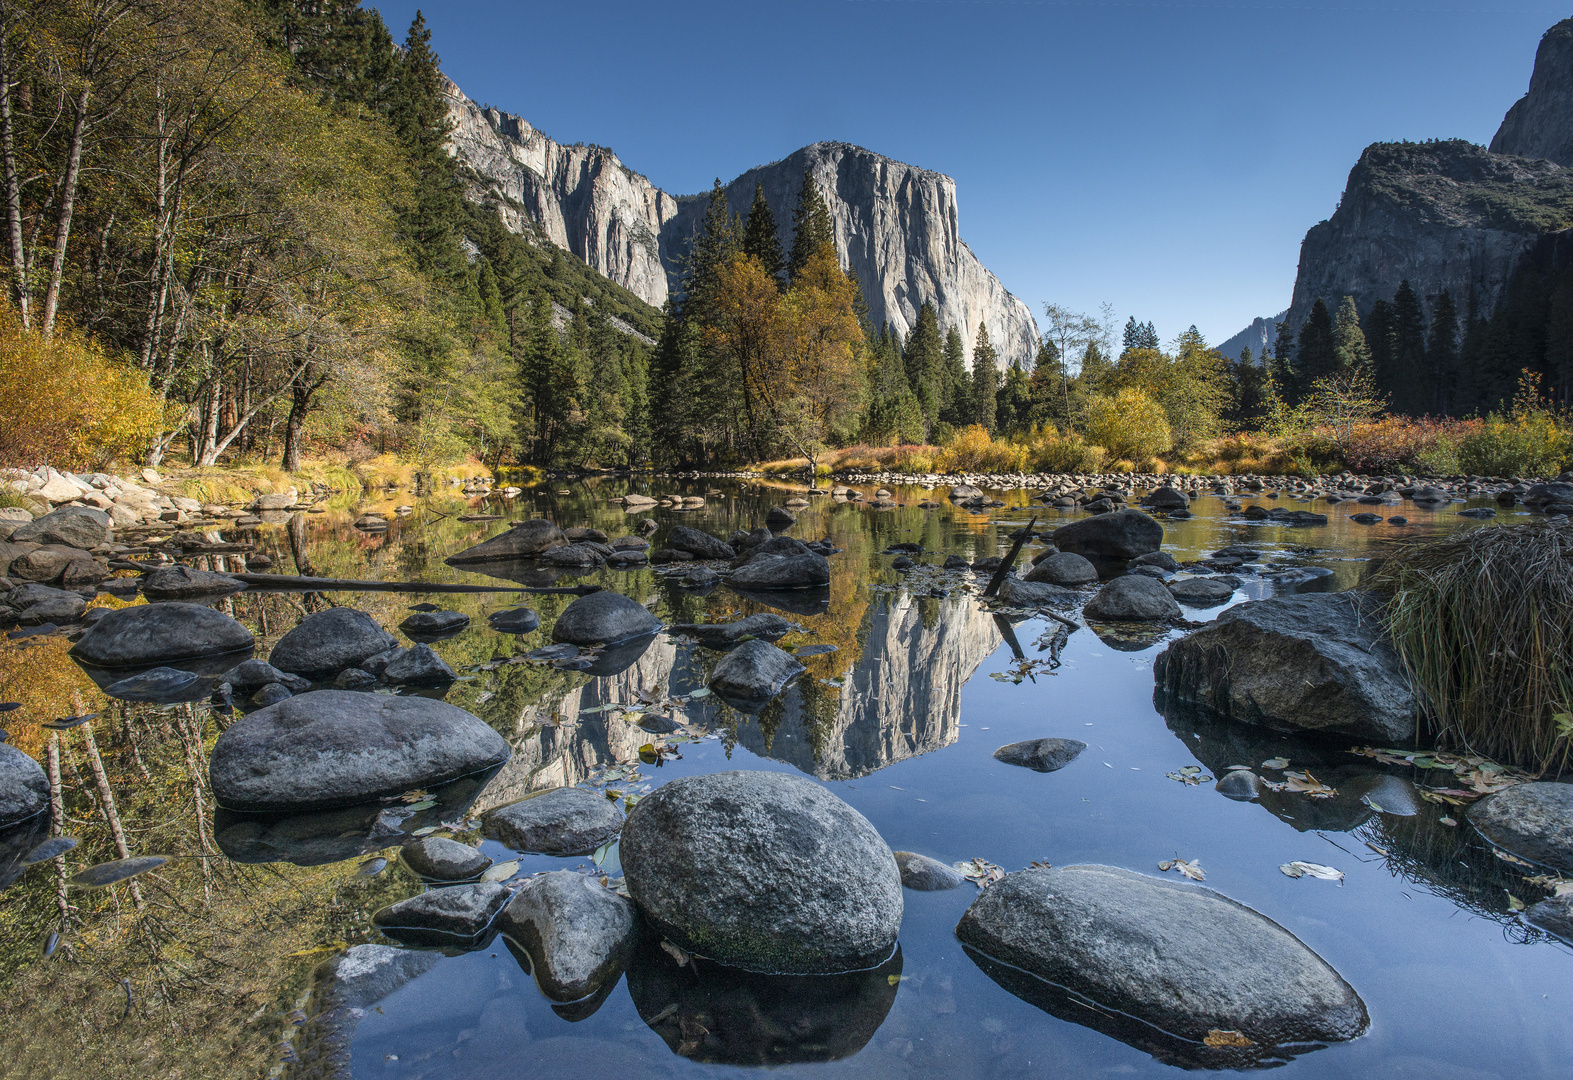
1028, 594
753, 673
442, 859
37, 604
150, 634
584, 532
434, 622
251, 675
603, 617
523, 541
572, 555
1554, 915
354, 678
577, 934
766, 625
52, 563
1123, 534
1132, 598
445, 915
514, 620
699, 544
161, 686
1201, 591
1533, 821
765, 871
1177, 956
1161, 559
72, 526
923, 874
1314, 662
1240, 784
700, 577
418, 666
271, 694
1041, 755
805, 571
1167, 498
184, 583
1063, 568
377, 664
327, 642
779, 517
24, 789
558, 821
782, 546
365, 974
335, 748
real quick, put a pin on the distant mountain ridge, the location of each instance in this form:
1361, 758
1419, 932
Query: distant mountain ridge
1259, 337
896, 225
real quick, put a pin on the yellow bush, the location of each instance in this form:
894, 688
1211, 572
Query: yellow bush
64, 403
1047, 450
974, 451
1129, 425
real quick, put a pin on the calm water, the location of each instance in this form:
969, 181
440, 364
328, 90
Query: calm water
900, 721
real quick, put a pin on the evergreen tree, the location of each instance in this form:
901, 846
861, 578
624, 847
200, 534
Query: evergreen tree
1281, 366
1246, 356
1405, 381
1133, 333
1045, 387
923, 358
340, 49
1014, 405
956, 406
419, 115
811, 225
1314, 355
759, 236
1350, 353
1381, 340
1442, 355
985, 380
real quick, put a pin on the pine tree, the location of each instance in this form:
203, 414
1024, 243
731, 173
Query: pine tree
985, 381
1133, 332
1013, 410
1442, 355
956, 406
923, 357
811, 225
1314, 356
340, 49
1382, 341
1045, 386
760, 239
1405, 384
1350, 353
418, 113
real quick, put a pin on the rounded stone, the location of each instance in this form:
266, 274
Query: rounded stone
1041, 755
764, 871
184, 583
1533, 821
24, 789
1201, 591
923, 874
335, 748
448, 915
150, 634
327, 642
558, 821
603, 618
523, 541
1133, 598
1063, 568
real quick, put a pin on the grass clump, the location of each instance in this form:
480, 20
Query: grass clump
1483, 621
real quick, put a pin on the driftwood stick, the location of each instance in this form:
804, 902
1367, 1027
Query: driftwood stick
321, 584
1010, 560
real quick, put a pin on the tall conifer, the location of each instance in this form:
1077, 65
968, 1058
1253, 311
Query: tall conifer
1442, 355
811, 225
1406, 380
985, 380
760, 238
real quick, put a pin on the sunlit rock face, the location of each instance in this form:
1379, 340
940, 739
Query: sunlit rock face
1537, 124
903, 698
896, 225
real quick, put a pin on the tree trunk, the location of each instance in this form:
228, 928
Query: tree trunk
67, 206
13, 187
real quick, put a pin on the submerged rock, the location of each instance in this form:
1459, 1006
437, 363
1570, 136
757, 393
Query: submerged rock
765, 871
558, 821
150, 634
251, 675
37, 604
753, 673
603, 618
1533, 821
577, 934
162, 686
1201, 591
418, 666
1041, 755
335, 748
765, 626
806, 571
327, 642
184, 583
514, 620
344, 987
1026, 594
701, 545
434, 622
523, 541
24, 789
923, 874
442, 859
1063, 568
446, 915
1554, 915
1133, 598
1314, 662
1123, 534
1179, 957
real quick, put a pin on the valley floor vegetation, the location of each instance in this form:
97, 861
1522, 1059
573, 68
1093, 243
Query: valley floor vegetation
235, 237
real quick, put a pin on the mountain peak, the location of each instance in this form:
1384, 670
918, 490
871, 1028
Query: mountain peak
1537, 124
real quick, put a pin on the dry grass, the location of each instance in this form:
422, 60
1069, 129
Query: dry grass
1484, 623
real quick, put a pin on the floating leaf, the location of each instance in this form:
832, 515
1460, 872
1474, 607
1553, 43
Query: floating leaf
68, 722
1316, 870
424, 804
501, 871
372, 867
427, 831
51, 943
113, 873
599, 857
1192, 869
1449, 821
55, 845
814, 650
682, 958
702, 692
7, 706
980, 872
1190, 775
1514, 903
1217, 1037
1276, 763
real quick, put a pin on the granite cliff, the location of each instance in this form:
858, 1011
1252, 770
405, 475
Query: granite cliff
1451, 215
896, 225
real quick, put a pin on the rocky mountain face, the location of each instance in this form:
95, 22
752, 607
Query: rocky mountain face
1259, 337
1540, 124
1451, 215
896, 225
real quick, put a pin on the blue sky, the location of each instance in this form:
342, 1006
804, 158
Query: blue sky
1165, 157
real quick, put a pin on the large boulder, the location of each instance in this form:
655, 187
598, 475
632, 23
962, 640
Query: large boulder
765, 871
603, 618
1532, 821
1314, 662
1182, 959
577, 933
753, 673
52, 562
184, 583
1063, 568
1123, 534
441, 859
1132, 598
1041, 755
71, 526
1538, 495
1201, 591
447, 915
1031, 594
327, 642
151, 634
419, 666
37, 604
557, 821
336, 748
1167, 498
699, 544
523, 541
805, 571
24, 789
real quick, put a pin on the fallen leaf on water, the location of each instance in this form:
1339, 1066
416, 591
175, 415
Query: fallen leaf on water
1505, 857
682, 958
424, 804
1446, 820
1311, 869
603, 851
1514, 903
1190, 775
1216, 1037
1192, 869
1276, 763
1304, 783
371, 867
981, 872
501, 871
55, 845
702, 692
427, 831
1379, 850
112, 873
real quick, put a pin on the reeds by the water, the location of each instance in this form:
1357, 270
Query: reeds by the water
1483, 620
